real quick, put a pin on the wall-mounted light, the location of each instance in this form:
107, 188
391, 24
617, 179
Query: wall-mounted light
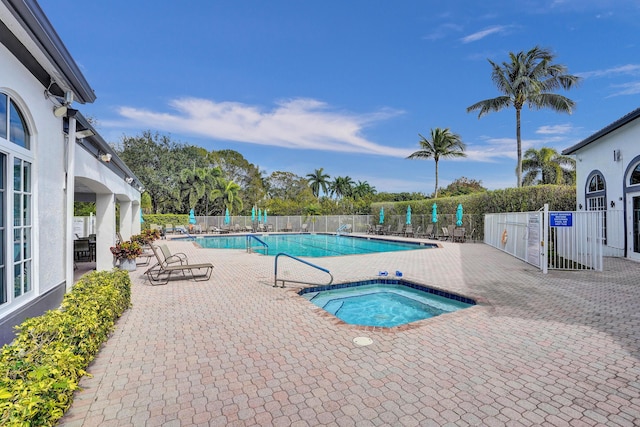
128, 180
60, 111
105, 157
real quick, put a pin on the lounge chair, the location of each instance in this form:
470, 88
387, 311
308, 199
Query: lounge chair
304, 228
445, 234
160, 273
168, 228
459, 234
428, 233
408, 231
370, 229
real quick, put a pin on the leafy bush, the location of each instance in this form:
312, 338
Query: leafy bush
129, 249
41, 368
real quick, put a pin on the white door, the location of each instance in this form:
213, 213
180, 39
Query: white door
633, 226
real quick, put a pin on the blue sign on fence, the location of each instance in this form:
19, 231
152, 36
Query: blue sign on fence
561, 219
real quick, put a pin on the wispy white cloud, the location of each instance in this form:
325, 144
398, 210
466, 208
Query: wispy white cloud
632, 88
442, 31
301, 123
562, 129
479, 35
628, 69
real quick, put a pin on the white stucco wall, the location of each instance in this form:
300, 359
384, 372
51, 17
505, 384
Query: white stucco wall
48, 170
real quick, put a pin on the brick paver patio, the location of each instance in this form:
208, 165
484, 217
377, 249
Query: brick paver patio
560, 350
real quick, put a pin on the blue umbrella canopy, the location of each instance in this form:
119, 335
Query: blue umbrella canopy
381, 215
459, 215
227, 220
253, 214
259, 215
192, 217
434, 213
408, 215
265, 216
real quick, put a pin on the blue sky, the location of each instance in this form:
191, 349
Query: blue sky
347, 85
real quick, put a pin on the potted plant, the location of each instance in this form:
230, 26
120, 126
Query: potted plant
126, 254
146, 237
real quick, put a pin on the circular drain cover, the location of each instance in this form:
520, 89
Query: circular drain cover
362, 341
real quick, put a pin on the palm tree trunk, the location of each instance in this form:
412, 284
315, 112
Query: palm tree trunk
519, 143
436, 192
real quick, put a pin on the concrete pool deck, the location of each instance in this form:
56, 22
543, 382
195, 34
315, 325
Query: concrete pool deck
561, 349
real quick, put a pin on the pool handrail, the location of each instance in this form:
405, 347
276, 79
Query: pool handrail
249, 236
275, 274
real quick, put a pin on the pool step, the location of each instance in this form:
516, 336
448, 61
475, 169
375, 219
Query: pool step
333, 306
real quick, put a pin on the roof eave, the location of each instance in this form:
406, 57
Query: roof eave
604, 131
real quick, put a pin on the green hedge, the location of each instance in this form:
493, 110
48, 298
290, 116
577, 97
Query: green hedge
523, 199
163, 219
41, 368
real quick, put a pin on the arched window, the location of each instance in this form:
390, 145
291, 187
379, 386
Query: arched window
13, 127
16, 201
596, 198
634, 179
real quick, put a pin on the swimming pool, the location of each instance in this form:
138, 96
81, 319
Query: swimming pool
311, 245
384, 302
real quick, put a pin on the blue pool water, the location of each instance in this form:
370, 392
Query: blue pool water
310, 245
384, 303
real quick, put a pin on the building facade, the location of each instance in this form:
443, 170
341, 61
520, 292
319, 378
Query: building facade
50, 156
608, 179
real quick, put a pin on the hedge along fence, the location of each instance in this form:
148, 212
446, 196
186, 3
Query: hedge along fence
41, 368
163, 219
523, 199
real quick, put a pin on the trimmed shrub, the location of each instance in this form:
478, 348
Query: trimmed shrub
41, 368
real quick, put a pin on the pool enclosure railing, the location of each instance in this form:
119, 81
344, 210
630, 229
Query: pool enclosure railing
250, 238
317, 267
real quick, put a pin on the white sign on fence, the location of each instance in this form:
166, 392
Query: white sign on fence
533, 239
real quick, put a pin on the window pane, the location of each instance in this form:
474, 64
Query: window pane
27, 276
17, 217
17, 252
18, 133
3, 115
635, 176
26, 172
592, 185
26, 246
17, 175
17, 280
26, 210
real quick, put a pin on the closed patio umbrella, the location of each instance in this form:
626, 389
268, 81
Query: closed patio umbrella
459, 215
265, 216
227, 220
192, 217
381, 215
408, 215
253, 214
259, 215
434, 213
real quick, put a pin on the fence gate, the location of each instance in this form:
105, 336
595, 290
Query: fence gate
555, 240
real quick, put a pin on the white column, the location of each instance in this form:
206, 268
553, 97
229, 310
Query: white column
136, 226
105, 230
70, 197
126, 219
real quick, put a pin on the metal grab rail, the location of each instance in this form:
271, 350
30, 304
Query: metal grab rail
249, 236
275, 275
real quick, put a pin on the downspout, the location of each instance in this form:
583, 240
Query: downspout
70, 197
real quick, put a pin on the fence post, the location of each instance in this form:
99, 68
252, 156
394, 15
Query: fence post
545, 239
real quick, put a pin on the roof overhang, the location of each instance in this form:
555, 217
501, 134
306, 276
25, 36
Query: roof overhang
27, 33
604, 131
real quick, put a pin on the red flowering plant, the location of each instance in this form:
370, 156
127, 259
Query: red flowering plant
126, 250
146, 236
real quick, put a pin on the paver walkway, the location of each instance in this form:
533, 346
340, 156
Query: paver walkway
561, 349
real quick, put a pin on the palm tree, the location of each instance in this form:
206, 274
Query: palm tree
546, 166
528, 79
318, 180
342, 186
229, 192
197, 183
443, 144
363, 189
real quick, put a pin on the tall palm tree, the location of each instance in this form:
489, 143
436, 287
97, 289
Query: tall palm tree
546, 166
363, 189
529, 78
318, 180
196, 183
443, 144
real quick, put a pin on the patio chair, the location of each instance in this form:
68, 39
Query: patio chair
458, 234
429, 231
304, 228
445, 234
160, 273
168, 228
81, 250
408, 231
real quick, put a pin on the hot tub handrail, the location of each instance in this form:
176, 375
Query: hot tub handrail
275, 275
249, 236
